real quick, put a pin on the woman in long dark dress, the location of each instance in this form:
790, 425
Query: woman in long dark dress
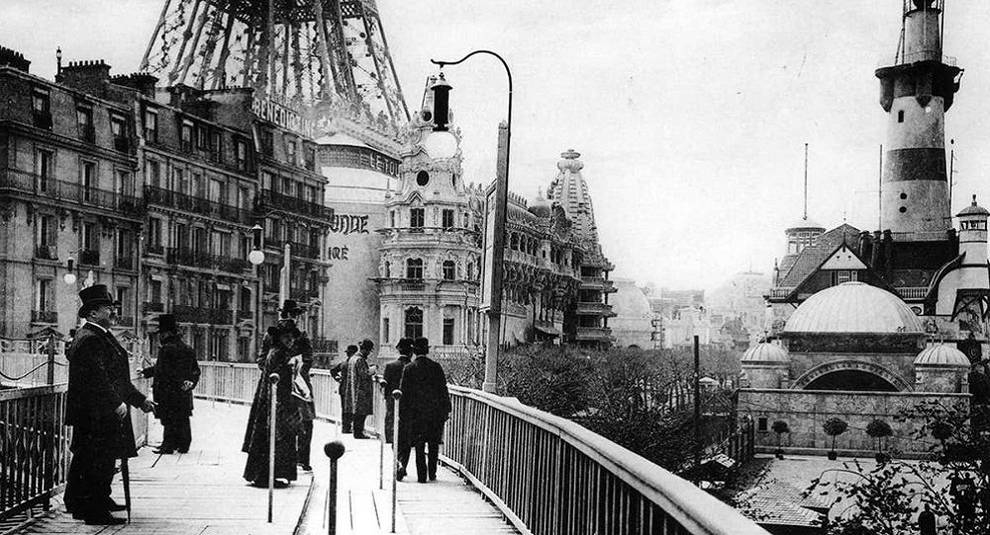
278, 360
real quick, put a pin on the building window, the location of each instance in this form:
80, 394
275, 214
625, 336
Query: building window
385, 326
447, 217
414, 323
388, 270
470, 271
89, 180
422, 178
41, 109
84, 120
417, 217
187, 136
125, 181
155, 235
155, 291
900, 116
414, 268
118, 127
155, 173
391, 216
761, 424
150, 126
448, 331
267, 143
45, 168
290, 151
46, 296
242, 155
449, 270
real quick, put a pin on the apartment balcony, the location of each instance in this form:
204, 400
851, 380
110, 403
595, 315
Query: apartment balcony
148, 307
180, 201
89, 257
42, 119
304, 250
183, 256
287, 203
14, 181
44, 316
780, 292
211, 316
46, 252
594, 334
593, 308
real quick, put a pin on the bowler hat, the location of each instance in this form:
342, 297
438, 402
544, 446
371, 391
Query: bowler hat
166, 323
290, 308
367, 345
421, 346
95, 296
404, 346
351, 349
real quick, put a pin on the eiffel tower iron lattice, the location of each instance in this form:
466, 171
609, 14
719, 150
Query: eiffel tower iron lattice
296, 52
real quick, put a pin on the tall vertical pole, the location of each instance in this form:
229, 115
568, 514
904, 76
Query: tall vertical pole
284, 291
880, 191
51, 358
805, 181
272, 400
697, 407
396, 396
952, 161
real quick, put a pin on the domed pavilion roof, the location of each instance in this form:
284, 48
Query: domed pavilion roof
942, 355
854, 307
765, 353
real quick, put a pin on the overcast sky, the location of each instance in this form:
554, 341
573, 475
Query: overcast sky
691, 117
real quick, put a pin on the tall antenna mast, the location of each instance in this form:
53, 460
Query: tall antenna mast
805, 181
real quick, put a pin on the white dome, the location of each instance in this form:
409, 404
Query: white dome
854, 307
765, 352
942, 355
439, 145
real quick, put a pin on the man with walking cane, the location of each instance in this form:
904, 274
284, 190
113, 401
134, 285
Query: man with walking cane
99, 392
424, 408
393, 379
175, 374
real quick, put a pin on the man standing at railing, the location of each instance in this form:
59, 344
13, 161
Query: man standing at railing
424, 408
99, 391
356, 389
175, 374
393, 381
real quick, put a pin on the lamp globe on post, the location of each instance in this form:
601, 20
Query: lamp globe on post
70, 276
256, 256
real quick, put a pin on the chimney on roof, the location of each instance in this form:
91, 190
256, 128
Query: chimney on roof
89, 76
144, 83
13, 59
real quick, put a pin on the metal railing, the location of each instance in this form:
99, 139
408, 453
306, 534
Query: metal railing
552, 476
47, 187
33, 447
918, 292
547, 474
296, 205
197, 205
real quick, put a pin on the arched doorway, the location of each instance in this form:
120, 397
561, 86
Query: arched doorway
855, 380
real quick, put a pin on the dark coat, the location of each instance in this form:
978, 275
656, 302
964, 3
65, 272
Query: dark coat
176, 363
286, 421
425, 403
99, 381
356, 387
304, 347
393, 380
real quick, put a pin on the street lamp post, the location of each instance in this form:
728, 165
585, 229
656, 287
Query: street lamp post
257, 257
498, 238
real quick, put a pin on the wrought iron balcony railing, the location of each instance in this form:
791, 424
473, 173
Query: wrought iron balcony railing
46, 252
89, 257
197, 205
278, 201
211, 316
47, 187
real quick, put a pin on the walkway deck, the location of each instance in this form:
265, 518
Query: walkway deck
202, 492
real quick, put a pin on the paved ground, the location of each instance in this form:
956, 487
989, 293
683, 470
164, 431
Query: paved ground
202, 492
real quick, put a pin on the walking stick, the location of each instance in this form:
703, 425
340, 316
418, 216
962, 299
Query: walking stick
273, 380
333, 450
396, 396
125, 472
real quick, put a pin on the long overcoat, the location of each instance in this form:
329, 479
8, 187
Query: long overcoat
356, 389
176, 363
393, 381
99, 381
286, 421
425, 402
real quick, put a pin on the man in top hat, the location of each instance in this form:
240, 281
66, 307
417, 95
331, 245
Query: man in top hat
98, 393
392, 377
424, 408
175, 374
356, 388
339, 373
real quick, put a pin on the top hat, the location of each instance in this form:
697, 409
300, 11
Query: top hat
95, 296
290, 308
421, 346
404, 346
166, 322
367, 344
351, 349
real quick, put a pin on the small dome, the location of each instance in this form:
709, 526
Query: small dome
570, 161
942, 355
854, 307
540, 206
974, 209
805, 224
765, 352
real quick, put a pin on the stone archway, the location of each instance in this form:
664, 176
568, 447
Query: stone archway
856, 367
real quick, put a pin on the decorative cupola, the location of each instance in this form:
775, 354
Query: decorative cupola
973, 233
941, 368
766, 365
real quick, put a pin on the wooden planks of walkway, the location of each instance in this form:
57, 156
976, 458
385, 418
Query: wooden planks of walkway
202, 493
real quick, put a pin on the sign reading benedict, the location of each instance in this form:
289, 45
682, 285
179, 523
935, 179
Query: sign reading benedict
282, 115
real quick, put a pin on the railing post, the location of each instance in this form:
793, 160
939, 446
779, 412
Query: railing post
51, 358
273, 380
334, 450
396, 396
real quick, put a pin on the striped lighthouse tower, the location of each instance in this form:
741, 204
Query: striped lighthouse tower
916, 91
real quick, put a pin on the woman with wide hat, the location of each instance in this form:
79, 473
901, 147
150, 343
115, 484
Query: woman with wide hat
279, 360
174, 375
